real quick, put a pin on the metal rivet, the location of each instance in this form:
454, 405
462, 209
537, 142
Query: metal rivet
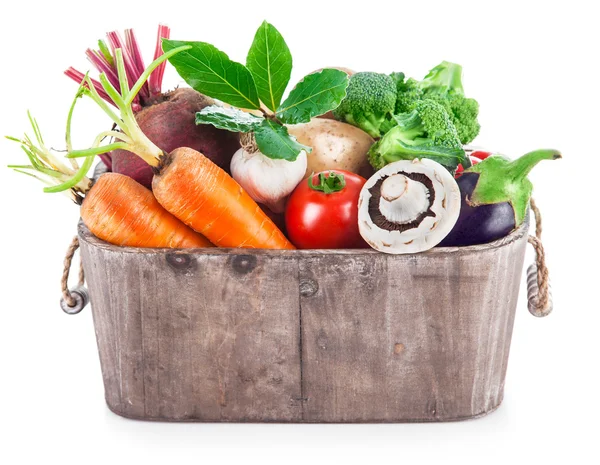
308, 287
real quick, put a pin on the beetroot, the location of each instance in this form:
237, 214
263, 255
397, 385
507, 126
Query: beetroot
168, 119
170, 124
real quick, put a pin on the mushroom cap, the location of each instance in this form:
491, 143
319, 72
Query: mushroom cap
433, 220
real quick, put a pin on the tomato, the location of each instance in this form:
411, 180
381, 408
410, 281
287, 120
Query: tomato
480, 154
322, 212
460, 169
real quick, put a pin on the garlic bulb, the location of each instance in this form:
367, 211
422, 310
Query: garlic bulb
268, 181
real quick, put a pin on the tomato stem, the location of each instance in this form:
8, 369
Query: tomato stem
328, 183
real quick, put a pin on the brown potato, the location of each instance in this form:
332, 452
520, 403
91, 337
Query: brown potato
335, 145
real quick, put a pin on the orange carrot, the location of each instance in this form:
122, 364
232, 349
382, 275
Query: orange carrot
207, 199
119, 210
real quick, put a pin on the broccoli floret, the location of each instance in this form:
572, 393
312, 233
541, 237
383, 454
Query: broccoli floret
444, 85
408, 93
464, 113
370, 98
425, 132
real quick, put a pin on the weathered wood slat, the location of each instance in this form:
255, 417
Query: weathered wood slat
188, 336
303, 336
405, 339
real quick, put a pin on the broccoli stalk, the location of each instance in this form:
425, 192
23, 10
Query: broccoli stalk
444, 78
426, 132
369, 102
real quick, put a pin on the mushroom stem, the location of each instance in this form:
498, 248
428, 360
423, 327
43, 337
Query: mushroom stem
394, 187
402, 199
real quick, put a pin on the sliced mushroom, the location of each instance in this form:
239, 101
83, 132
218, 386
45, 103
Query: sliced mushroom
408, 206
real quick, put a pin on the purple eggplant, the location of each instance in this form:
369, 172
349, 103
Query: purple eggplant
495, 197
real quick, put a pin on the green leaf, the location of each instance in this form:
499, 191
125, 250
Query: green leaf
230, 119
315, 95
210, 71
274, 141
270, 62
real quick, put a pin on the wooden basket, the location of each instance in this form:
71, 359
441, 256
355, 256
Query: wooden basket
303, 336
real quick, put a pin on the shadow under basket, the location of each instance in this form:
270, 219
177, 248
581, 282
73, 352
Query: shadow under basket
239, 335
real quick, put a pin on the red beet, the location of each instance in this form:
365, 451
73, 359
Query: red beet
170, 123
167, 119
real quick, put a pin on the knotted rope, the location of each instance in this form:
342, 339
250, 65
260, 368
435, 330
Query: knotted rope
538, 284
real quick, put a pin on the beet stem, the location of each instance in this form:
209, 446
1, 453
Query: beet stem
117, 42
137, 61
78, 77
104, 62
102, 65
156, 78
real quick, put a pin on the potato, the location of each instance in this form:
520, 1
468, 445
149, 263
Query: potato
335, 145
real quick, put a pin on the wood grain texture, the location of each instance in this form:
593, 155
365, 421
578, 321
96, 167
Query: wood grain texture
405, 338
187, 336
303, 336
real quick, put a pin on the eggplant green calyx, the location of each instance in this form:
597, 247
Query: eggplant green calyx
502, 180
328, 184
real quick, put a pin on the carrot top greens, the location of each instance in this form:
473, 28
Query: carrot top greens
60, 177
47, 168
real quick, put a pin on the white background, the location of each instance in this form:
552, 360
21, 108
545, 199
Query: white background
534, 68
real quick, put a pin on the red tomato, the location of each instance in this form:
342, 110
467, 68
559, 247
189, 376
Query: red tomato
480, 154
460, 169
319, 220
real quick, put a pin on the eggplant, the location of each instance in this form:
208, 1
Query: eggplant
495, 197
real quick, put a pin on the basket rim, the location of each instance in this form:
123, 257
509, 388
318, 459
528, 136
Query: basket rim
86, 236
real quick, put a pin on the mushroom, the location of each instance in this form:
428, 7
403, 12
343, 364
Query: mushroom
408, 206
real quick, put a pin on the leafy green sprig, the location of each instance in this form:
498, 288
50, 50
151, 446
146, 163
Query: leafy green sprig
260, 86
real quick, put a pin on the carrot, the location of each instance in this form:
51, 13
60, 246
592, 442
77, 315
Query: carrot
116, 208
210, 201
186, 183
123, 212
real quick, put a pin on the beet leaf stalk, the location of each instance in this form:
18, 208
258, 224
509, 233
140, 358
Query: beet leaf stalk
104, 60
131, 137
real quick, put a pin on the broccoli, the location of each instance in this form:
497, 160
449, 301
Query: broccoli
444, 85
370, 98
425, 132
463, 112
408, 93
445, 77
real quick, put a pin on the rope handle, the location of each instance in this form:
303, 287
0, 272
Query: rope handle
539, 297
73, 301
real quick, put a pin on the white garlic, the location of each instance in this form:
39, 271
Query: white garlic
268, 181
